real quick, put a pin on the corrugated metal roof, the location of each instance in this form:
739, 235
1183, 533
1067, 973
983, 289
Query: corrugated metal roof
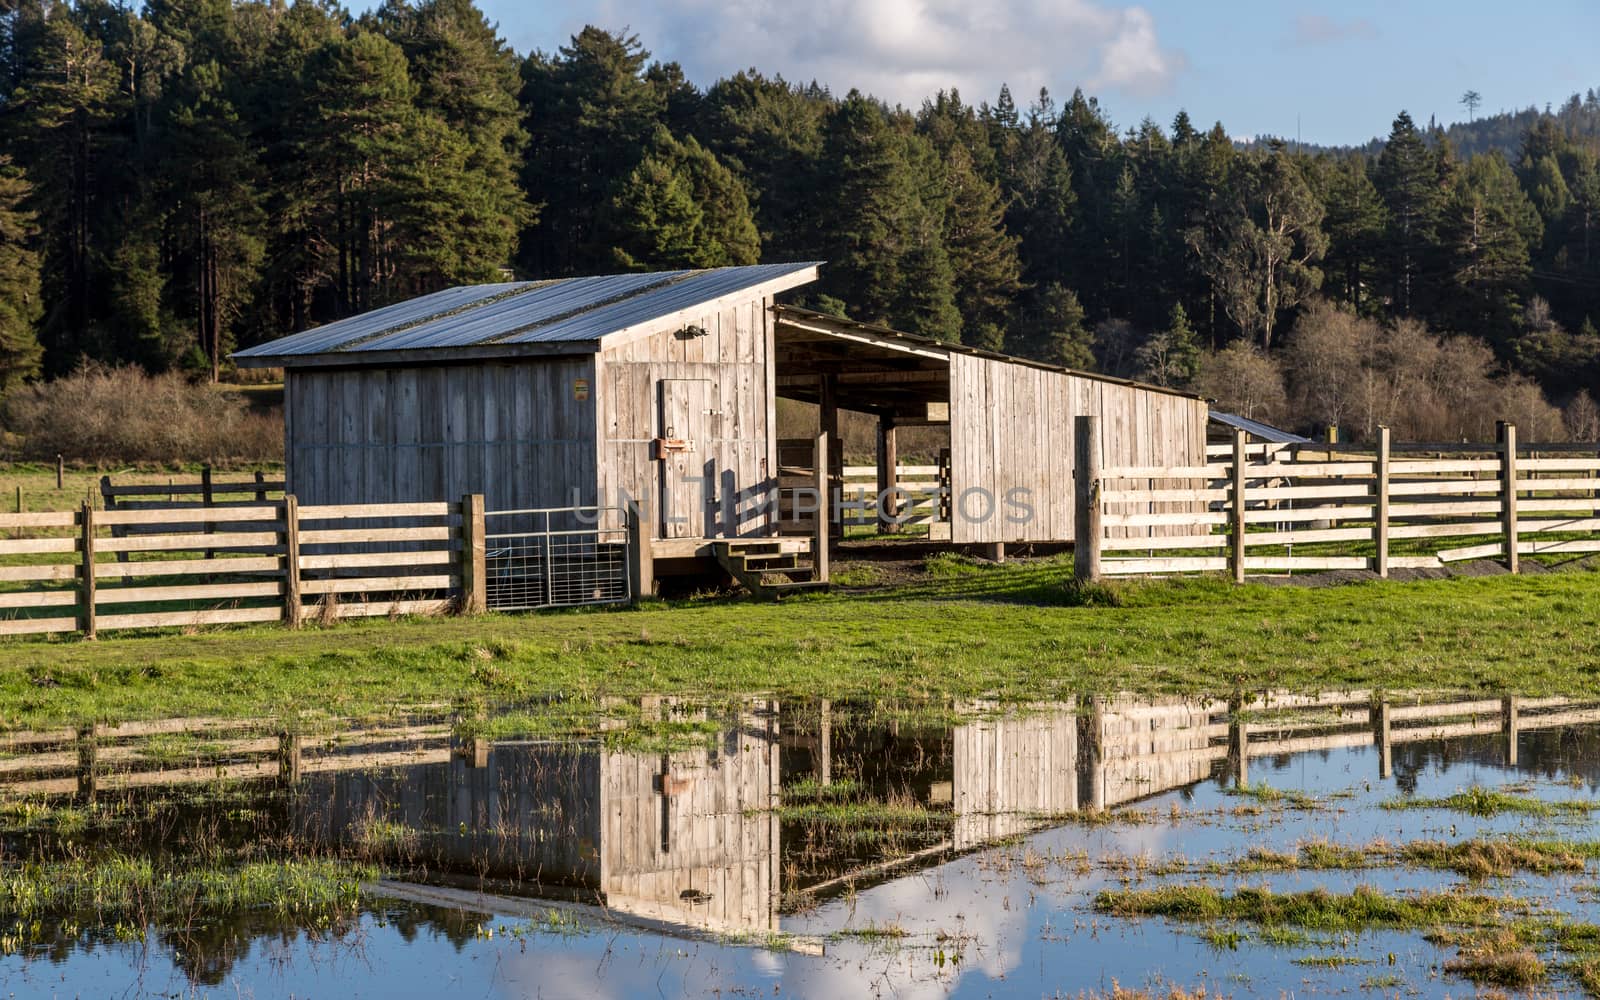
1257, 429
528, 312
691, 290
330, 336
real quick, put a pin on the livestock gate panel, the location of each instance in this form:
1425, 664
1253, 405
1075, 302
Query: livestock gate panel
521, 433
736, 454
1011, 428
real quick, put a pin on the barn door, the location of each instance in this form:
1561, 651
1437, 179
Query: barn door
683, 445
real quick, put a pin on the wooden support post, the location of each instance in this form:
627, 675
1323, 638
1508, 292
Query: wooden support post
1333, 439
88, 764
86, 571
19, 498
291, 747
477, 752
888, 476
1508, 490
293, 611
1091, 770
205, 501
822, 484
1086, 530
1239, 751
1508, 726
641, 555
997, 551
1380, 506
474, 556
261, 486
61, 471
1236, 509
1382, 738
828, 414
824, 761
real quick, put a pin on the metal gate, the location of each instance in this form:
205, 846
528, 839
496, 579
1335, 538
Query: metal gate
556, 557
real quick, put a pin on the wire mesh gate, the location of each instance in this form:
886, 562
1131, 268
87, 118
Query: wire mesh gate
556, 557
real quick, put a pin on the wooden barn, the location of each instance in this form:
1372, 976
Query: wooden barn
662, 387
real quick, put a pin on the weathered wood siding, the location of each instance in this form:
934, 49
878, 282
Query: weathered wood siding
733, 447
692, 836
1011, 429
516, 432
1009, 773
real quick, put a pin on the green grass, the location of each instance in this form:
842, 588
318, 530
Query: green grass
1317, 909
1015, 632
120, 889
1477, 801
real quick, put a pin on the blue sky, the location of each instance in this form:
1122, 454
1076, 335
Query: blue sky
1341, 70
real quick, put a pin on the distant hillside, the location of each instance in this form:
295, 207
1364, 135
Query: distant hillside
1579, 115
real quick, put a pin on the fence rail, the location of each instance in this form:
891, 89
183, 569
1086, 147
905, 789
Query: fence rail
145, 566
1287, 508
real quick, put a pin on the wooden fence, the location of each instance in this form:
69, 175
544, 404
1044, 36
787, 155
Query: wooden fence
1277, 509
142, 567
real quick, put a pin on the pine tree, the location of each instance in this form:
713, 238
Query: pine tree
770, 134
681, 207
467, 80
67, 101
217, 217
883, 242
1407, 178
20, 304
982, 254
1355, 225
586, 112
1488, 227
349, 158
1170, 356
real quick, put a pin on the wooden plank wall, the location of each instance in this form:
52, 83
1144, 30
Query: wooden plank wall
698, 822
531, 812
735, 358
514, 431
1011, 773
1011, 427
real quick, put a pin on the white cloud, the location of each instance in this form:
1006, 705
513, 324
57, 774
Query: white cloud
1319, 29
905, 50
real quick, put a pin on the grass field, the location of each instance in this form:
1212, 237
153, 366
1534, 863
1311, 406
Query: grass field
955, 629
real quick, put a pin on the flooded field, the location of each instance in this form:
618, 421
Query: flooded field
1352, 843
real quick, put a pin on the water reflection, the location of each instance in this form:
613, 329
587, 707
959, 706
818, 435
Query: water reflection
805, 817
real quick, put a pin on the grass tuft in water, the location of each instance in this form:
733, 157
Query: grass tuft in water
1487, 802
1316, 909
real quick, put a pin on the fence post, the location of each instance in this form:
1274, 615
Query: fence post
1086, 530
205, 501
641, 558
819, 545
88, 763
1380, 505
1507, 437
86, 571
261, 487
1508, 726
291, 748
293, 611
1236, 514
474, 556
61, 471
